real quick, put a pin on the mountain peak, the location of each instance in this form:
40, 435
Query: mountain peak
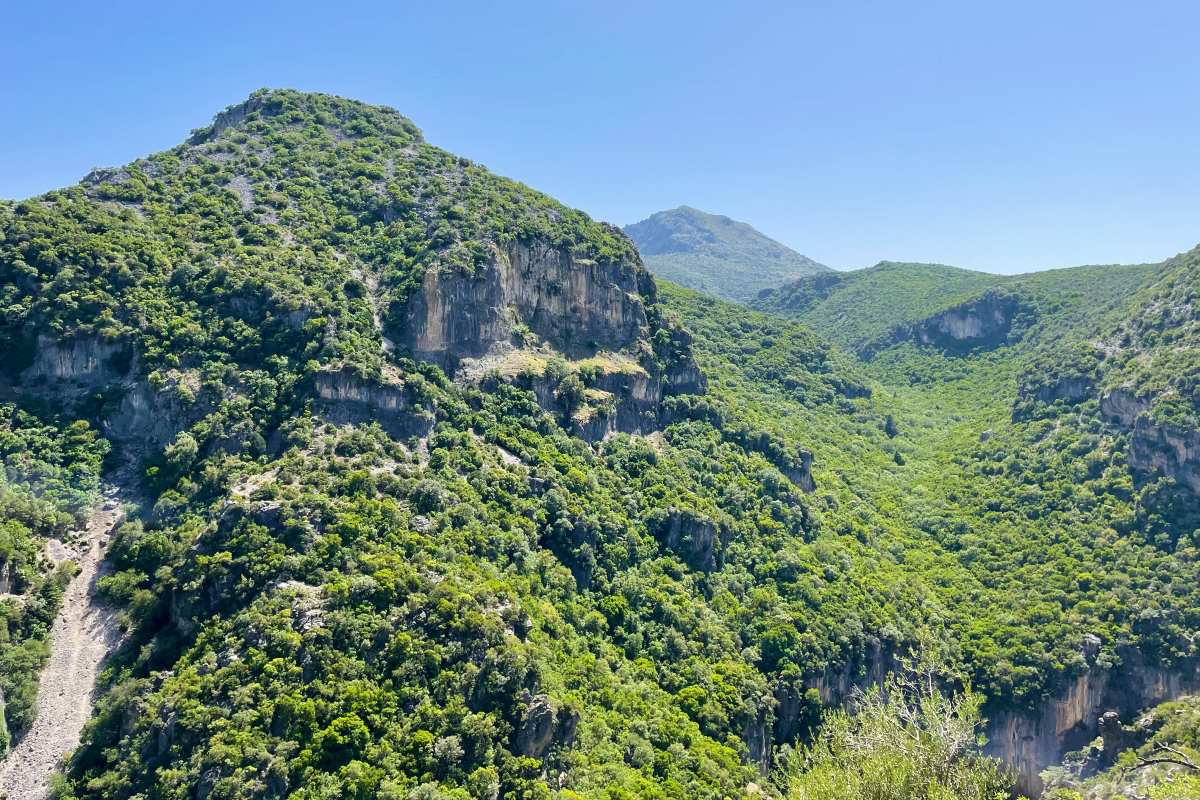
351, 117
716, 254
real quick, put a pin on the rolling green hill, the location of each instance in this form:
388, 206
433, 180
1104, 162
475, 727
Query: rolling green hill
716, 254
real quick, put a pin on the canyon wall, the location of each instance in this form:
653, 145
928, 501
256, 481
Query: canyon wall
1031, 740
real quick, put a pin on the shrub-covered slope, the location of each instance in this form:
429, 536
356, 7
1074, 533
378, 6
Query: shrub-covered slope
399, 540
716, 254
1045, 443
445, 498
872, 309
49, 477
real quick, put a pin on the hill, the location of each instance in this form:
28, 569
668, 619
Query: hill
1040, 410
437, 493
870, 309
716, 254
396, 535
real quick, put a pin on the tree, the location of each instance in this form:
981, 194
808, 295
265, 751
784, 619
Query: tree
905, 740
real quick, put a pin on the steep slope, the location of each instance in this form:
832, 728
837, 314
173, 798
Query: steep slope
398, 539
259, 239
716, 254
84, 633
856, 308
444, 500
1037, 440
1155, 756
49, 484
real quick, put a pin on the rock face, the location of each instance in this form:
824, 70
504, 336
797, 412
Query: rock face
801, 474
544, 726
74, 365
343, 396
988, 318
983, 322
149, 416
577, 306
626, 400
1153, 448
1031, 741
696, 539
1070, 390
531, 297
796, 702
74, 370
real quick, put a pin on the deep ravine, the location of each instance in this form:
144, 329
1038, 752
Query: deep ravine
84, 633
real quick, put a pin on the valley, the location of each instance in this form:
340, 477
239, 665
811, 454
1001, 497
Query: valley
445, 495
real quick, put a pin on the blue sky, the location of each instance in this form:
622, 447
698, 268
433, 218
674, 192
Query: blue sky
1005, 136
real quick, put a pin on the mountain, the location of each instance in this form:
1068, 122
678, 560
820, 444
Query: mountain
411, 482
387, 528
716, 254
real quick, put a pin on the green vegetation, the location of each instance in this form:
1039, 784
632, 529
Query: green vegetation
449, 596
906, 740
856, 308
493, 608
49, 478
1006, 530
1161, 760
716, 254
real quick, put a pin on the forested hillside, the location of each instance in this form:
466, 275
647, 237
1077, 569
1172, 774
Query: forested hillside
1053, 452
442, 496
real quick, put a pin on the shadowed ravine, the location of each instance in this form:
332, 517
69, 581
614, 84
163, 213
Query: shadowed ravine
84, 633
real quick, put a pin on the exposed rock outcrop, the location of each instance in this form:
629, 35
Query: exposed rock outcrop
70, 366
1154, 448
545, 725
987, 319
344, 396
1031, 741
984, 322
797, 701
1073, 389
531, 299
148, 416
694, 538
801, 474
578, 306
74, 371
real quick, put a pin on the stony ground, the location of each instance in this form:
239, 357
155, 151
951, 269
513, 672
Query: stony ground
84, 632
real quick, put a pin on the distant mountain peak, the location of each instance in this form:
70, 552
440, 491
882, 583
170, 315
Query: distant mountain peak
716, 254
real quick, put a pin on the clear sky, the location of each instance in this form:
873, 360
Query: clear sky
1005, 136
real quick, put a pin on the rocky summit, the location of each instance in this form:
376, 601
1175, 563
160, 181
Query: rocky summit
350, 469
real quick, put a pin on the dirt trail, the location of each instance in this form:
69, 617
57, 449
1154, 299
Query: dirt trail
84, 632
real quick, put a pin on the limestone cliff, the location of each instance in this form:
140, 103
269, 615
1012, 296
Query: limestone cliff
1154, 448
985, 321
343, 396
532, 302
1028, 739
1032, 740
578, 306
83, 372
71, 366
